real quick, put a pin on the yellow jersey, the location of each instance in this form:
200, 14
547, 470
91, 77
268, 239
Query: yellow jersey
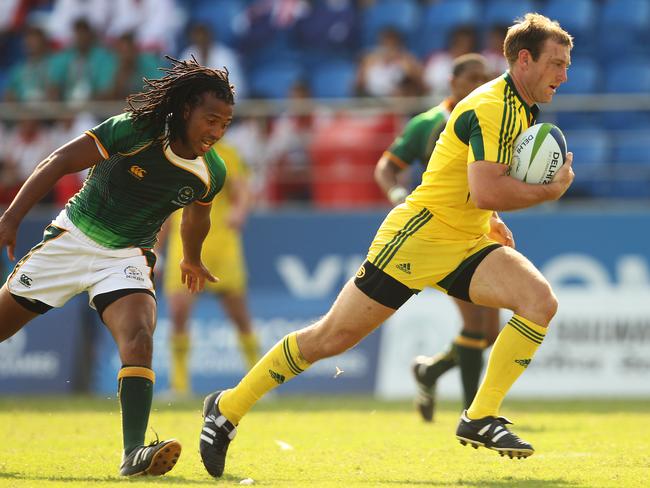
481, 127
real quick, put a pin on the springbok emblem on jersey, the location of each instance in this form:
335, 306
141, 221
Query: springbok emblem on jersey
185, 195
137, 171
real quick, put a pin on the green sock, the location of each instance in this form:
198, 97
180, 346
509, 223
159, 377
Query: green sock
470, 346
440, 365
135, 389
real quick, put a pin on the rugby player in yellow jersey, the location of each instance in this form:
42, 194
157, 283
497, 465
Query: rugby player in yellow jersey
441, 232
223, 255
480, 325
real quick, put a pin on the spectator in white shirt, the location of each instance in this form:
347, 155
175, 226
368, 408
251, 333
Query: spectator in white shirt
208, 51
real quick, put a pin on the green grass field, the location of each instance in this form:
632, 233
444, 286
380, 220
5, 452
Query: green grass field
340, 441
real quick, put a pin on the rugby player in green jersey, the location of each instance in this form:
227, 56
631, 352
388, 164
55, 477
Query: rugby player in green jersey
144, 164
480, 324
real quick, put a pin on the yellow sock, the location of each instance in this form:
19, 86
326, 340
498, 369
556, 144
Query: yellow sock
511, 354
179, 376
250, 348
279, 365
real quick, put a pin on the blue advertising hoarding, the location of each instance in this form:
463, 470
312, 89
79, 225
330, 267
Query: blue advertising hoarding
597, 261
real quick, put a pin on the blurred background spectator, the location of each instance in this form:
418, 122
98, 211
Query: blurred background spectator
84, 70
208, 51
91, 52
23, 146
131, 66
287, 158
388, 67
155, 24
66, 13
437, 69
28, 78
493, 50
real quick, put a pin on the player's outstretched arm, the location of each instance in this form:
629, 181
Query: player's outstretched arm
195, 226
492, 189
390, 178
77, 155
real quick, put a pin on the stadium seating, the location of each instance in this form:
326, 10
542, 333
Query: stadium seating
631, 75
592, 154
220, 15
627, 24
439, 19
505, 11
274, 80
333, 80
631, 161
583, 77
402, 15
579, 20
631, 149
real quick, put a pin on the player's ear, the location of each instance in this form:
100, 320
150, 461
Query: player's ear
186, 111
524, 56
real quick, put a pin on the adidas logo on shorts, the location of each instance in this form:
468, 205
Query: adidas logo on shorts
405, 267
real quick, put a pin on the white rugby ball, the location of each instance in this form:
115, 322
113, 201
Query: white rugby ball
537, 154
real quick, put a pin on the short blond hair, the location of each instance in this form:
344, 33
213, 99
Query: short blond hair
530, 33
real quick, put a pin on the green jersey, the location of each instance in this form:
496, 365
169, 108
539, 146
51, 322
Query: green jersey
417, 140
126, 198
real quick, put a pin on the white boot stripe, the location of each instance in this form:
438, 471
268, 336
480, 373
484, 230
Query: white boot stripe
499, 436
209, 431
483, 430
137, 456
207, 439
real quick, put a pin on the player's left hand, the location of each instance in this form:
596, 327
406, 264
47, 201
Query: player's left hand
499, 232
195, 275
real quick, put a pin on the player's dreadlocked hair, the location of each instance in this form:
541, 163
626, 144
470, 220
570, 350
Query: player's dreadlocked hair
164, 100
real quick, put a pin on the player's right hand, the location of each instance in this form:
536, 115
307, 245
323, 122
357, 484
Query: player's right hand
8, 231
194, 276
564, 177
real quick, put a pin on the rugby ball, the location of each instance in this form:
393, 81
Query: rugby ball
537, 154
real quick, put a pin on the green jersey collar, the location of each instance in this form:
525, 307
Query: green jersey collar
531, 111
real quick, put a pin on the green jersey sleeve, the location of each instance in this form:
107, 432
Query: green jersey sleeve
217, 171
118, 135
417, 140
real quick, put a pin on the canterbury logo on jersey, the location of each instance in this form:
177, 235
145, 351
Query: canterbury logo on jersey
25, 280
137, 171
406, 267
279, 379
523, 362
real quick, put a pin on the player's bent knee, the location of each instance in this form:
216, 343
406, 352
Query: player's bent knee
540, 306
339, 342
138, 345
326, 339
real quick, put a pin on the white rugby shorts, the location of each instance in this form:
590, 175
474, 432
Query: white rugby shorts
67, 263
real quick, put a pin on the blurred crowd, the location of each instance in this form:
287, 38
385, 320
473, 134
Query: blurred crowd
76, 51
79, 51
